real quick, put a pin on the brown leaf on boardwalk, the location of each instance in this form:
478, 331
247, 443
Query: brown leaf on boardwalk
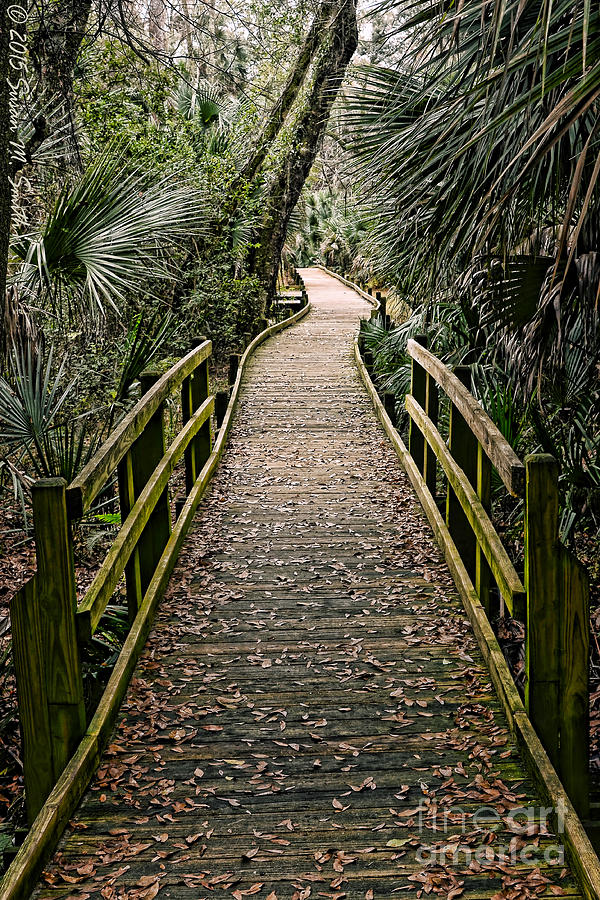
87, 869
239, 894
249, 854
369, 895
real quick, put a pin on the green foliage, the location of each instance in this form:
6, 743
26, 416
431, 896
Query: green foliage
30, 404
224, 307
105, 233
327, 227
477, 152
146, 337
34, 420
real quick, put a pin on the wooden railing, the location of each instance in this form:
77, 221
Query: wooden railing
553, 598
48, 626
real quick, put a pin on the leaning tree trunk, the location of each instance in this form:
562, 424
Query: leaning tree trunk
336, 48
5, 170
279, 111
54, 47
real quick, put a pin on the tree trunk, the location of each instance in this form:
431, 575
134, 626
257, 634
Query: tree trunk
336, 48
157, 28
288, 96
55, 44
5, 170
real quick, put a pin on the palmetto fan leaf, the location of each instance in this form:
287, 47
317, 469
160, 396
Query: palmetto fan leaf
31, 403
488, 133
104, 236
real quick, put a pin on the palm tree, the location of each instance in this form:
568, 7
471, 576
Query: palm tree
106, 234
480, 156
484, 146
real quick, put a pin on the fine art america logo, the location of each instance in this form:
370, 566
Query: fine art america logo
469, 837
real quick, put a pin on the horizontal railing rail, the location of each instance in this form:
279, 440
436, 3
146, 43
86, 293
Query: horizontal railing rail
502, 456
93, 605
49, 628
84, 489
508, 581
552, 600
552, 722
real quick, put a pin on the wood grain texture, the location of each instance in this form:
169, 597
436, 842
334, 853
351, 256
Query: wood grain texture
285, 719
542, 581
462, 446
431, 410
55, 596
503, 457
28, 658
24, 871
574, 681
418, 391
93, 476
491, 546
580, 852
92, 606
483, 573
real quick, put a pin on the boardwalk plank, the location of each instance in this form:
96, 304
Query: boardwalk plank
311, 642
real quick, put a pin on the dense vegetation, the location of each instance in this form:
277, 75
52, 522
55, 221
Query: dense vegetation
169, 162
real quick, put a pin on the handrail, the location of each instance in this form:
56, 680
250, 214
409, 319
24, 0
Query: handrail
504, 459
554, 599
557, 633
85, 487
84, 755
92, 606
509, 583
47, 626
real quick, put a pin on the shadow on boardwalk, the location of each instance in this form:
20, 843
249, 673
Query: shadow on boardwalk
311, 716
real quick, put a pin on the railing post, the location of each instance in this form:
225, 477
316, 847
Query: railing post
574, 682
542, 644
557, 641
463, 447
234, 364
135, 469
418, 388
127, 495
200, 392
34, 719
431, 409
47, 664
483, 573
389, 402
221, 402
194, 391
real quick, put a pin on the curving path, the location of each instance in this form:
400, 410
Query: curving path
311, 716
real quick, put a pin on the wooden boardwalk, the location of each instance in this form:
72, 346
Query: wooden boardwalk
311, 716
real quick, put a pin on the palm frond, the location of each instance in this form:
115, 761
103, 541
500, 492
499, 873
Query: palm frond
105, 234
